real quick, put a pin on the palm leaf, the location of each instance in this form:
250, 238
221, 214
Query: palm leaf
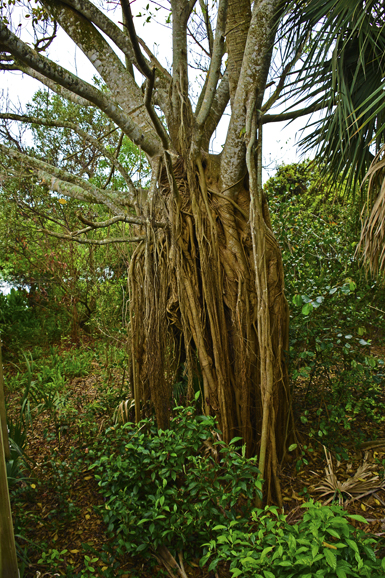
343, 70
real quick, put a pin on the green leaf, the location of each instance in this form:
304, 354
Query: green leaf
341, 573
292, 447
306, 309
352, 544
236, 572
358, 518
330, 558
196, 396
297, 300
234, 440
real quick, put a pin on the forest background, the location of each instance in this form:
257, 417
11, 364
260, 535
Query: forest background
179, 492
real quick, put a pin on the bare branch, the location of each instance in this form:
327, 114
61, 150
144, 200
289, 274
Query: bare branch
218, 107
54, 86
93, 14
94, 141
274, 97
116, 154
117, 219
120, 82
215, 65
156, 122
62, 181
92, 241
292, 115
142, 62
209, 30
154, 61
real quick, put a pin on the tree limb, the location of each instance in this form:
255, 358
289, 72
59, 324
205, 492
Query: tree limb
60, 180
292, 115
215, 64
120, 82
21, 51
94, 141
92, 241
142, 62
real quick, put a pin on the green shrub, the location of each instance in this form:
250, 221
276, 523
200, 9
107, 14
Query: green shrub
169, 488
322, 545
182, 490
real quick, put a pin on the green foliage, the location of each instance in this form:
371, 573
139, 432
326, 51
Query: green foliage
20, 323
331, 301
322, 545
160, 489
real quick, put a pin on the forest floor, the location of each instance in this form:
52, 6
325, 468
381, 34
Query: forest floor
54, 505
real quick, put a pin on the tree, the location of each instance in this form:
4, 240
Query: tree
206, 277
64, 278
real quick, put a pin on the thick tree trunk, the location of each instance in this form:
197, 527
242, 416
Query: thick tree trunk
209, 293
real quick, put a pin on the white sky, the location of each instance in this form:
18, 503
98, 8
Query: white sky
279, 140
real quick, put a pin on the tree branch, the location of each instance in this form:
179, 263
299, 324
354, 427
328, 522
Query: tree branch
209, 30
251, 85
154, 117
218, 107
116, 219
91, 241
274, 97
86, 136
292, 115
120, 82
54, 86
110, 29
60, 180
21, 51
215, 64
142, 62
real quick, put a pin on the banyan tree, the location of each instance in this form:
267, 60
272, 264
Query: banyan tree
206, 281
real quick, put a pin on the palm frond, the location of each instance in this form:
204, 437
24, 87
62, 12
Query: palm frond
372, 241
344, 66
363, 483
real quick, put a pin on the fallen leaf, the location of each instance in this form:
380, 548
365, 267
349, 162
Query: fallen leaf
329, 546
88, 478
363, 507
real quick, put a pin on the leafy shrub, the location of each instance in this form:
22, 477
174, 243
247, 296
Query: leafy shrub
169, 489
161, 491
322, 545
20, 323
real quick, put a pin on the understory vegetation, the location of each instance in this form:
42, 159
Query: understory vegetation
93, 494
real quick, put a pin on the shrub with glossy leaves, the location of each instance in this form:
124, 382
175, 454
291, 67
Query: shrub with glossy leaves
170, 488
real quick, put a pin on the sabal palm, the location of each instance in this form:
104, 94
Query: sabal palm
343, 70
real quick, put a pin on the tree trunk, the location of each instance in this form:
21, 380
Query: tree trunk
207, 292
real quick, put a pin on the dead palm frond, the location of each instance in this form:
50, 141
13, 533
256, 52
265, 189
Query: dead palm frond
363, 483
122, 413
372, 242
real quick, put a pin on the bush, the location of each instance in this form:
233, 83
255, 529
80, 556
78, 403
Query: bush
161, 491
180, 489
322, 545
